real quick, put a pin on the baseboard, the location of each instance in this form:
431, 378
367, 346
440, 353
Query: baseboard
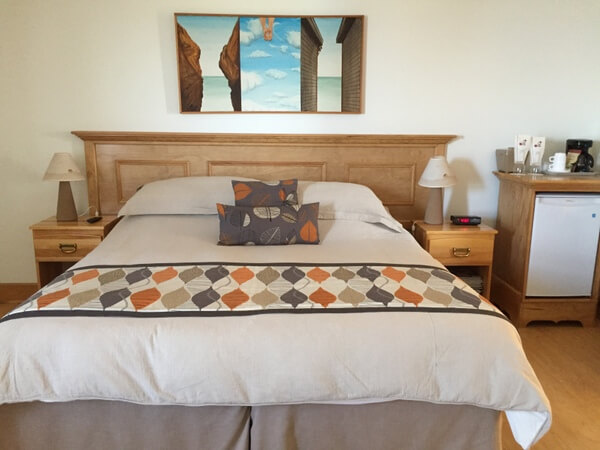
16, 292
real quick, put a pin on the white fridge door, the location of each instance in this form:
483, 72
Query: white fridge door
564, 241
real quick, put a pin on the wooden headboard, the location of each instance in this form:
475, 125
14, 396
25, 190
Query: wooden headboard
117, 163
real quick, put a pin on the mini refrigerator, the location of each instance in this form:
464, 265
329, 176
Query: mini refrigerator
564, 241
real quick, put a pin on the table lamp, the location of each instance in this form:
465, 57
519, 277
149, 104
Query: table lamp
437, 175
62, 168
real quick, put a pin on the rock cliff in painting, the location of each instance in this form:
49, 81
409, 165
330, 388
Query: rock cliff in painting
190, 72
229, 63
269, 64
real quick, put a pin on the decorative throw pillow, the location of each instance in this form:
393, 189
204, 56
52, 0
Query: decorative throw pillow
268, 225
258, 193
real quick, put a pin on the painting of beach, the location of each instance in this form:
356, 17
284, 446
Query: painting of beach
269, 64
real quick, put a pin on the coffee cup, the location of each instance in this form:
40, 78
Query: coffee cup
558, 162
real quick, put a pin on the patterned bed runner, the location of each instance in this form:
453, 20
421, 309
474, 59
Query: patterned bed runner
216, 289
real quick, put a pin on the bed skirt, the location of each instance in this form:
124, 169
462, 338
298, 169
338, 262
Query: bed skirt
382, 426
96, 424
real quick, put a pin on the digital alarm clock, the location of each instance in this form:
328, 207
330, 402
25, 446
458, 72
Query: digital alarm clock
465, 220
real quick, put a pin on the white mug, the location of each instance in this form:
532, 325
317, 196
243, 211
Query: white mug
558, 162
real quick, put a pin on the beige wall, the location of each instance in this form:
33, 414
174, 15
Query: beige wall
481, 69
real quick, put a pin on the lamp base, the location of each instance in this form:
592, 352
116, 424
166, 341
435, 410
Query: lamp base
434, 214
65, 207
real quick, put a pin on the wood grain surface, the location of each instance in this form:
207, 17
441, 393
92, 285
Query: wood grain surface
566, 360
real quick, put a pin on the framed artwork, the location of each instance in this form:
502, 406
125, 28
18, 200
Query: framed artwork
278, 64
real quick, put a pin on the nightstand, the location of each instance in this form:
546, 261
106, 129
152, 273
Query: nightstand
59, 245
457, 245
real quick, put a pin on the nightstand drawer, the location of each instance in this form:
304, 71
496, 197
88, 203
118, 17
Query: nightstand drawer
455, 245
58, 245
462, 251
65, 247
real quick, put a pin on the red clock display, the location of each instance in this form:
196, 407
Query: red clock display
465, 220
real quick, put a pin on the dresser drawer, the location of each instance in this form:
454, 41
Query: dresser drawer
462, 250
65, 247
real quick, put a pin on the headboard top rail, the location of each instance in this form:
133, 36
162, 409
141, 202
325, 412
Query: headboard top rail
257, 138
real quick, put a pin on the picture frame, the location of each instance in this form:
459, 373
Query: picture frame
269, 64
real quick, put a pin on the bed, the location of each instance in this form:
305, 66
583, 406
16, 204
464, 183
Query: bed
261, 346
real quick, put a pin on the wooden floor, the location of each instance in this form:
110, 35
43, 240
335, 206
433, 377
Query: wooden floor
566, 359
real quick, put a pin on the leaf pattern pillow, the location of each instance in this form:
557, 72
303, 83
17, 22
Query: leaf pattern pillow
268, 225
259, 193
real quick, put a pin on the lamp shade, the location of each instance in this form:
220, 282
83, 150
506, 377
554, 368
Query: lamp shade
62, 167
437, 174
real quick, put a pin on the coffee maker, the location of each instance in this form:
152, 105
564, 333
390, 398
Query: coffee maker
578, 156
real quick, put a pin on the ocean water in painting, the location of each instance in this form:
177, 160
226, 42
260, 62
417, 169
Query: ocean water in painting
211, 33
329, 94
217, 95
270, 69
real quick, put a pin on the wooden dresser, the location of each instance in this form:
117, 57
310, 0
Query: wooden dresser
511, 255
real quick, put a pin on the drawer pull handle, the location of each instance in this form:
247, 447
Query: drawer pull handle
461, 252
67, 248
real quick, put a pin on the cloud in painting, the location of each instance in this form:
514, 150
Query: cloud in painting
258, 54
255, 27
250, 80
296, 55
295, 69
276, 74
293, 38
289, 102
251, 105
282, 48
278, 101
253, 31
246, 37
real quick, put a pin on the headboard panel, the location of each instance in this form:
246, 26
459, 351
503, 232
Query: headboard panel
117, 163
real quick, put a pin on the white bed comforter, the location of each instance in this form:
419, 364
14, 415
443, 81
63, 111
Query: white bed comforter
274, 358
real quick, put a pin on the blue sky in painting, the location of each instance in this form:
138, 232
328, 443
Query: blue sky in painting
270, 69
330, 57
211, 33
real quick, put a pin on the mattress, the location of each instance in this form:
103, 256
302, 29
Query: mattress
442, 357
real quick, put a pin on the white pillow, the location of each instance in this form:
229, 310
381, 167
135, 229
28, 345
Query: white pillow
186, 195
346, 201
